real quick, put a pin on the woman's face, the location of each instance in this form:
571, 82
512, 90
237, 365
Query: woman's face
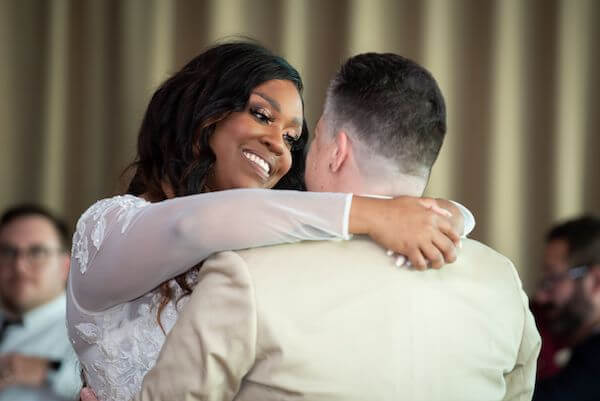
252, 147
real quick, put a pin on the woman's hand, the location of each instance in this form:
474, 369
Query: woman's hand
418, 228
443, 207
86, 394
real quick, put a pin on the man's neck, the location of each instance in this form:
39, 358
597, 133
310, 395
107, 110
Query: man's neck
398, 186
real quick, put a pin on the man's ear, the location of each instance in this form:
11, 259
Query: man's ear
340, 153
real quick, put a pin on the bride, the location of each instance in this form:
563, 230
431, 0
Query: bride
231, 118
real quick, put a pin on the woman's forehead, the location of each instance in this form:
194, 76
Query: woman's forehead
283, 96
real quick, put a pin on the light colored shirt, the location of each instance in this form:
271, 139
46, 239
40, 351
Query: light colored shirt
44, 334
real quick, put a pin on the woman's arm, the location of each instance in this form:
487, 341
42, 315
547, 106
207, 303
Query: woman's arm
124, 247
417, 228
462, 218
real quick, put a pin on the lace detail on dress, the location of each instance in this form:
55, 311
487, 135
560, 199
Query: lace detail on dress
127, 340
94, 219
89, 332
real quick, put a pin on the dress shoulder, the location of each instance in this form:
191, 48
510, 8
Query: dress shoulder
99, 219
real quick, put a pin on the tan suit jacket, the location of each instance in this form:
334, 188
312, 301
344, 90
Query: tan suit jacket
338, 321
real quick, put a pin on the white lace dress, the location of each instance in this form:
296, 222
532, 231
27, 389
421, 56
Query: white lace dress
124, 247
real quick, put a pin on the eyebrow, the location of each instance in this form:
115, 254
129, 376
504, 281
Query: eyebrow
277, 107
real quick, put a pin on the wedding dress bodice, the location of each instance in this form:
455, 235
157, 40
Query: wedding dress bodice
117, 347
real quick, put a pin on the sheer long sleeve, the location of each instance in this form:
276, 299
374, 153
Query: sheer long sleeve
469, 219
124, 247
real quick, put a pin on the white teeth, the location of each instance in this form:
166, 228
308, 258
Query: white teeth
260, 162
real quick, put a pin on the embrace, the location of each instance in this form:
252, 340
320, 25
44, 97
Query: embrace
217, 277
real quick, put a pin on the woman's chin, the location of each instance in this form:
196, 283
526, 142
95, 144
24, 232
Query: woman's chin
248, 182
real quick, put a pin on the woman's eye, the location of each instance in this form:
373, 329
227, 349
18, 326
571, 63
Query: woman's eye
290, 140
261, 115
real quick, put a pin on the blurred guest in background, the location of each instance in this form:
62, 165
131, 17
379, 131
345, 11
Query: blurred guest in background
37, 361
567, 305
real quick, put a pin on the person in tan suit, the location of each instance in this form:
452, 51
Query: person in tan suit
340, 322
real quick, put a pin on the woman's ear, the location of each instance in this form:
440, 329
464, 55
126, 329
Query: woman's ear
340, 152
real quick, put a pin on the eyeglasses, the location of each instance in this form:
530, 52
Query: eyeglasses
573, 273
35, 256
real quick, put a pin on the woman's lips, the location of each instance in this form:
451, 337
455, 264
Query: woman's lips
259, 163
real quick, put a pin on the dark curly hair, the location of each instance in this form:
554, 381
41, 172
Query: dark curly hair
173, 142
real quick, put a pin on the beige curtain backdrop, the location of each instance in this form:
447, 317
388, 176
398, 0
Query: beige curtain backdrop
520, 80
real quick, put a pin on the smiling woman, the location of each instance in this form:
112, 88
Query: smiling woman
255, 144
231, 118
236, 89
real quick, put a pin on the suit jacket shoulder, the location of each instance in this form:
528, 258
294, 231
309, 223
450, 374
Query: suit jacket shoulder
326, 310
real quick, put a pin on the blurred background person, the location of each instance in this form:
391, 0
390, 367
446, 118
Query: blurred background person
37, 361
567, 307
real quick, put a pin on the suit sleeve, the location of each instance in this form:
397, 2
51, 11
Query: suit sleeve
521, 380
213, 344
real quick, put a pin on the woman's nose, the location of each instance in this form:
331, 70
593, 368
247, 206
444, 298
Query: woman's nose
273, 140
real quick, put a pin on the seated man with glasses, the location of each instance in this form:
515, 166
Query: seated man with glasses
37, 361
567, 306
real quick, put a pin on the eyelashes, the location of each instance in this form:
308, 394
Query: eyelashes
264, 116
292, 141
261, 115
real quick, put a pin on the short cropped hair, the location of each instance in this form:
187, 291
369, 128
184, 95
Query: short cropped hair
583, 238
26, 210
393, 105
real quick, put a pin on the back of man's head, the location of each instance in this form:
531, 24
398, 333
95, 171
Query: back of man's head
392, 109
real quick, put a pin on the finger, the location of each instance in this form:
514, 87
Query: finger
87, 394
417, 259
441, 211
445, 226
429, 203
433, 255
446, 247
400, 260
6, 379
433, 205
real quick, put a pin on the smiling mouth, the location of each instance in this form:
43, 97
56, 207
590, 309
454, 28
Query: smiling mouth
258, 161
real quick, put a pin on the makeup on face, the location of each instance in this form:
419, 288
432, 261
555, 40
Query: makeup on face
253, 147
